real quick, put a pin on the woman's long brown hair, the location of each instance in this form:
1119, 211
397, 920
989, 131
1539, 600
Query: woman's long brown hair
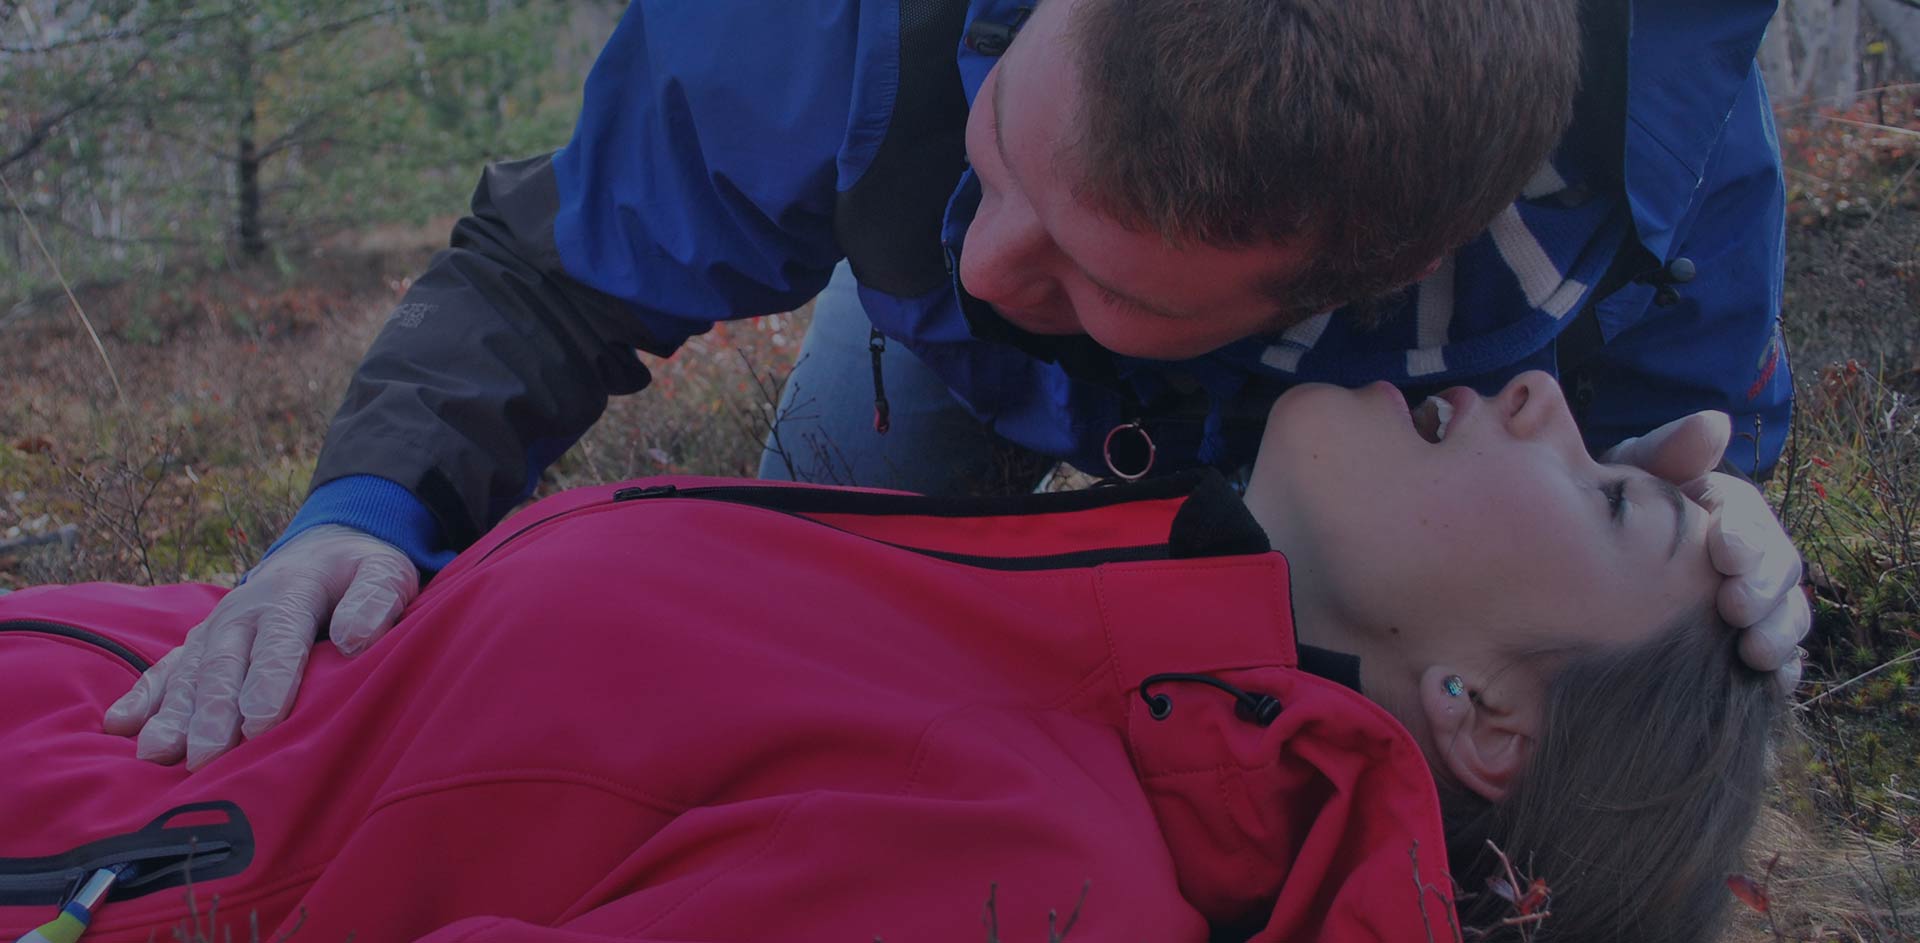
1636, 801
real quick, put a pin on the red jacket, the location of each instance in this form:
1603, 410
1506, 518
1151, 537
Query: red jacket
751, 713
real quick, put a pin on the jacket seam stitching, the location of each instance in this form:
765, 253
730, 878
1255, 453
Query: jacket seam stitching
1124, 718
921, 751
498, 777
1079, 688
1215, 769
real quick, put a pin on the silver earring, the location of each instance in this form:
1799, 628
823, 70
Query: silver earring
1455, 685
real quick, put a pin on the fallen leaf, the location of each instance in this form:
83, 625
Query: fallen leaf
1750, 892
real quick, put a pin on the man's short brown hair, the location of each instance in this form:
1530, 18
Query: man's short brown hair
1386, 133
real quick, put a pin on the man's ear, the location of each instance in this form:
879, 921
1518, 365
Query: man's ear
1483, 745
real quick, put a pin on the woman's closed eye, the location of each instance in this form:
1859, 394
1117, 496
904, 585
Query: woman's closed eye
1616, 492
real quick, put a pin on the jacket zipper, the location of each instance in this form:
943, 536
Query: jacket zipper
161, 857
51, 887
88, 636
769, 498
763, 498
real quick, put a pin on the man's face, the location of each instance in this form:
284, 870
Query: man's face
1051, 264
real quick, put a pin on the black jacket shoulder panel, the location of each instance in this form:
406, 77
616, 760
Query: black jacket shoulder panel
888, 223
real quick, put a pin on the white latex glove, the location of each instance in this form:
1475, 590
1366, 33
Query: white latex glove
238, 671
1761, 595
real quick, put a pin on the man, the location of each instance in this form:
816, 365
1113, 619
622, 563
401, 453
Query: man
1113, 240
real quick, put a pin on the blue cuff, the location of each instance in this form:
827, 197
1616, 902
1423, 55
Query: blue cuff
378, 507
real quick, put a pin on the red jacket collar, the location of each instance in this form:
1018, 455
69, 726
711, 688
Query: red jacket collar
1314, 821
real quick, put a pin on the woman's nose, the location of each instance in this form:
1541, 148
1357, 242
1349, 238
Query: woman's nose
1534, 406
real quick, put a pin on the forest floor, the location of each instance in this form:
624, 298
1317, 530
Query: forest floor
226, 382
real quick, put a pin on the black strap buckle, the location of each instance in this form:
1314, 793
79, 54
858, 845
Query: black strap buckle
992, 39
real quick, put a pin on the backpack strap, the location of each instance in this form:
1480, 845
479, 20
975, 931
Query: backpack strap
888, 222
1605, 27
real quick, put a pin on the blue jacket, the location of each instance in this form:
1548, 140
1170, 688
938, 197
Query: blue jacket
710, 177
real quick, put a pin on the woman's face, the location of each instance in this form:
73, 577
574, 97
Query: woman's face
1504, 530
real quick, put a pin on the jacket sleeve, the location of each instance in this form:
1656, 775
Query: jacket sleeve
489, 368
698, 186
1718, 346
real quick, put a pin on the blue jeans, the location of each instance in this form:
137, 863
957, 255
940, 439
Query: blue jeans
824, 430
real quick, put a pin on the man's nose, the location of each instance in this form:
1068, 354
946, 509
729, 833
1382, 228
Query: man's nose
1004, 256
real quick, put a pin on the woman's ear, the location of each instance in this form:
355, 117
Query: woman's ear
1482, 743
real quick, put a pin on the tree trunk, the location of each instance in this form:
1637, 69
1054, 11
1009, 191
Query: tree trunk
253, 243
246, 165
1776, 60
1838, 80
1812, 52
1902, 25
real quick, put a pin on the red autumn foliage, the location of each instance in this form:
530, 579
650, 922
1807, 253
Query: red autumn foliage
1752, 893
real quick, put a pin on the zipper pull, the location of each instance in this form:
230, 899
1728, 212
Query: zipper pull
882, 413
651, 491
77, 913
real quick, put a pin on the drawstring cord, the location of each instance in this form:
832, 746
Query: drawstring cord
1249, 706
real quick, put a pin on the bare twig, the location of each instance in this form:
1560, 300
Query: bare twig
179, 26
299, 920
1892, 194
285, 43
773, 417
1527, 921
1420, 891
1850, 682
34, 231
1072, 918
1784, 111
42, 130
1886, 128
1886, 889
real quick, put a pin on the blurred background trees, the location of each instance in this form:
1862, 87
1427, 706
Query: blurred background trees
1825, 52
144, 135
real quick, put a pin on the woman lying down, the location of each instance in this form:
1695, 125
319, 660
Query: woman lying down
721, 711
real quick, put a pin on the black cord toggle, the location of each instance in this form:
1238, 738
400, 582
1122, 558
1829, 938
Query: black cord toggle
1249, 706
1677, 272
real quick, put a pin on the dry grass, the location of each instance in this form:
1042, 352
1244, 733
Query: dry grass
1845, 823
230, 383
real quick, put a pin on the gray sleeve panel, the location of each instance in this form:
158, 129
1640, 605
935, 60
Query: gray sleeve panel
493, 364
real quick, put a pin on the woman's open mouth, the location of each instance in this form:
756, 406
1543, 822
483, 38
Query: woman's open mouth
1431, 417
